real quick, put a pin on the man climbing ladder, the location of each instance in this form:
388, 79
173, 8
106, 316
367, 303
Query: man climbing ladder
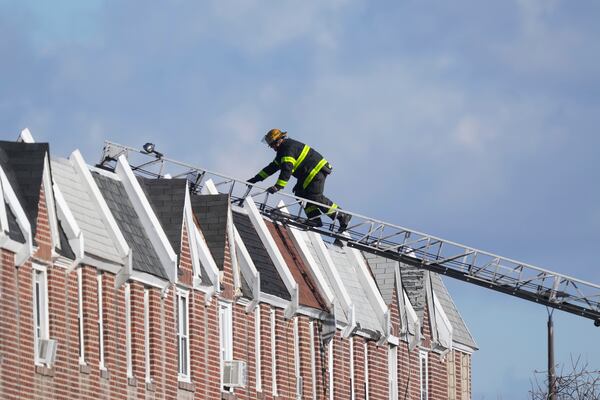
309, 168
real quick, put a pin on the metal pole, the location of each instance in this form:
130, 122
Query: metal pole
551, 370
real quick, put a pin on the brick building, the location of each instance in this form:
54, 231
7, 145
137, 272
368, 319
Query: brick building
117, 286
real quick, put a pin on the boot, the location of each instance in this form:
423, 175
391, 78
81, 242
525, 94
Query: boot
344, 220
314, 222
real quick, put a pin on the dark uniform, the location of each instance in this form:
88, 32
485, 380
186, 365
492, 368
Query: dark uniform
310, 169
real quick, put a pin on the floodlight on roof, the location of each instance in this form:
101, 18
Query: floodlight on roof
150, 148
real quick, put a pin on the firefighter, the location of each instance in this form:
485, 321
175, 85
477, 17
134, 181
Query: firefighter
309, 168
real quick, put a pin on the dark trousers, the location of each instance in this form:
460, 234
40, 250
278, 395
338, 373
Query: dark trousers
314, 192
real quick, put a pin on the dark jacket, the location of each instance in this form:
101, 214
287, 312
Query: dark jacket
297, 159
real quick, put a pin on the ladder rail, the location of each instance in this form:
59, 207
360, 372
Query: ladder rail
431, 252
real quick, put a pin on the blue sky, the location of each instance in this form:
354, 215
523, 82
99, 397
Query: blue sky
474, 121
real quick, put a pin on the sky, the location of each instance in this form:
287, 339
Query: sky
472, 121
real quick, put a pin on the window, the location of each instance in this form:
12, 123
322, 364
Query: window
128, 330
40, 309
100, 320
273, 353
147, 333
451, 376
465, 378
183, 345
393, 372
257, 339
424, 374
226, 334
80, 315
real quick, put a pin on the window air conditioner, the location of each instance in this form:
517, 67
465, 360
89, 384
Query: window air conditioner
47, 351
234, 373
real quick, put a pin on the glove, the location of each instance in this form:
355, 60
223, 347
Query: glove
274, 189
254, 179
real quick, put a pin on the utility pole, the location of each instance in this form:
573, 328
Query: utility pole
551, 369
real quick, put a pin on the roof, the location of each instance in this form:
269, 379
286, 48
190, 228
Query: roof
167, 198
144, 255
413, 284
384, 271
23, 164
366, 315
14, 230
460, 332
65, 248
211, 214
98, 240
307, 290
270, 281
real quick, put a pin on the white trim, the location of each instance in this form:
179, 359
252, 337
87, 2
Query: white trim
352, 380
80, 321
50, 206
10, 197
423, 375
128, 354
273, 352
334, 278
313, 367
3, 215
70, 226
235, 267
366, 355
25, 136
225, 335
183, 333
149, 280
274, 253
149, 221
107, 266
463, 348
274, 300
257, 348
206, 259
297, 373
147, 374
393, 372
100, 320
108, 219
190, 227
444, 327
330, 368
44, 328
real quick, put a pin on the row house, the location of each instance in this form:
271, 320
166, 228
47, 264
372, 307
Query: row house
115, 285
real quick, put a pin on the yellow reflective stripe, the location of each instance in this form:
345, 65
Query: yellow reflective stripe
263, 174
302, 157
314, 172
332, 209
288, 159
281, 182
310, 209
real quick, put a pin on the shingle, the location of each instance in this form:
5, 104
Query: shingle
98, 240
213, 208
65, 248
366, 315
270, 281
460, 332
14, 231
167, 198
383, 270
23, 164
144, 255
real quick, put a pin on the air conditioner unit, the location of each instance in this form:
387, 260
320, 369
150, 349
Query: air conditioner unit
299, 384
47, 351
234, 374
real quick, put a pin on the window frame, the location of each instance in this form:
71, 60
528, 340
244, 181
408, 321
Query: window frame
80, 321
273, 352
41, 328
257, 348
393, 372
225, 336
424, 375
128, 353
183, 296
148, 372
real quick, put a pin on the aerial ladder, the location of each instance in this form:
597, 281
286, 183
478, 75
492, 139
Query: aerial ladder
391, 241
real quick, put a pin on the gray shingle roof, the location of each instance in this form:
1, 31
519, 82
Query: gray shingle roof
14, 231
460, 332
413, 283
144, 255
366, 316
383, 270
211, 213
167, 198
23, 164
98, 241
270, 281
